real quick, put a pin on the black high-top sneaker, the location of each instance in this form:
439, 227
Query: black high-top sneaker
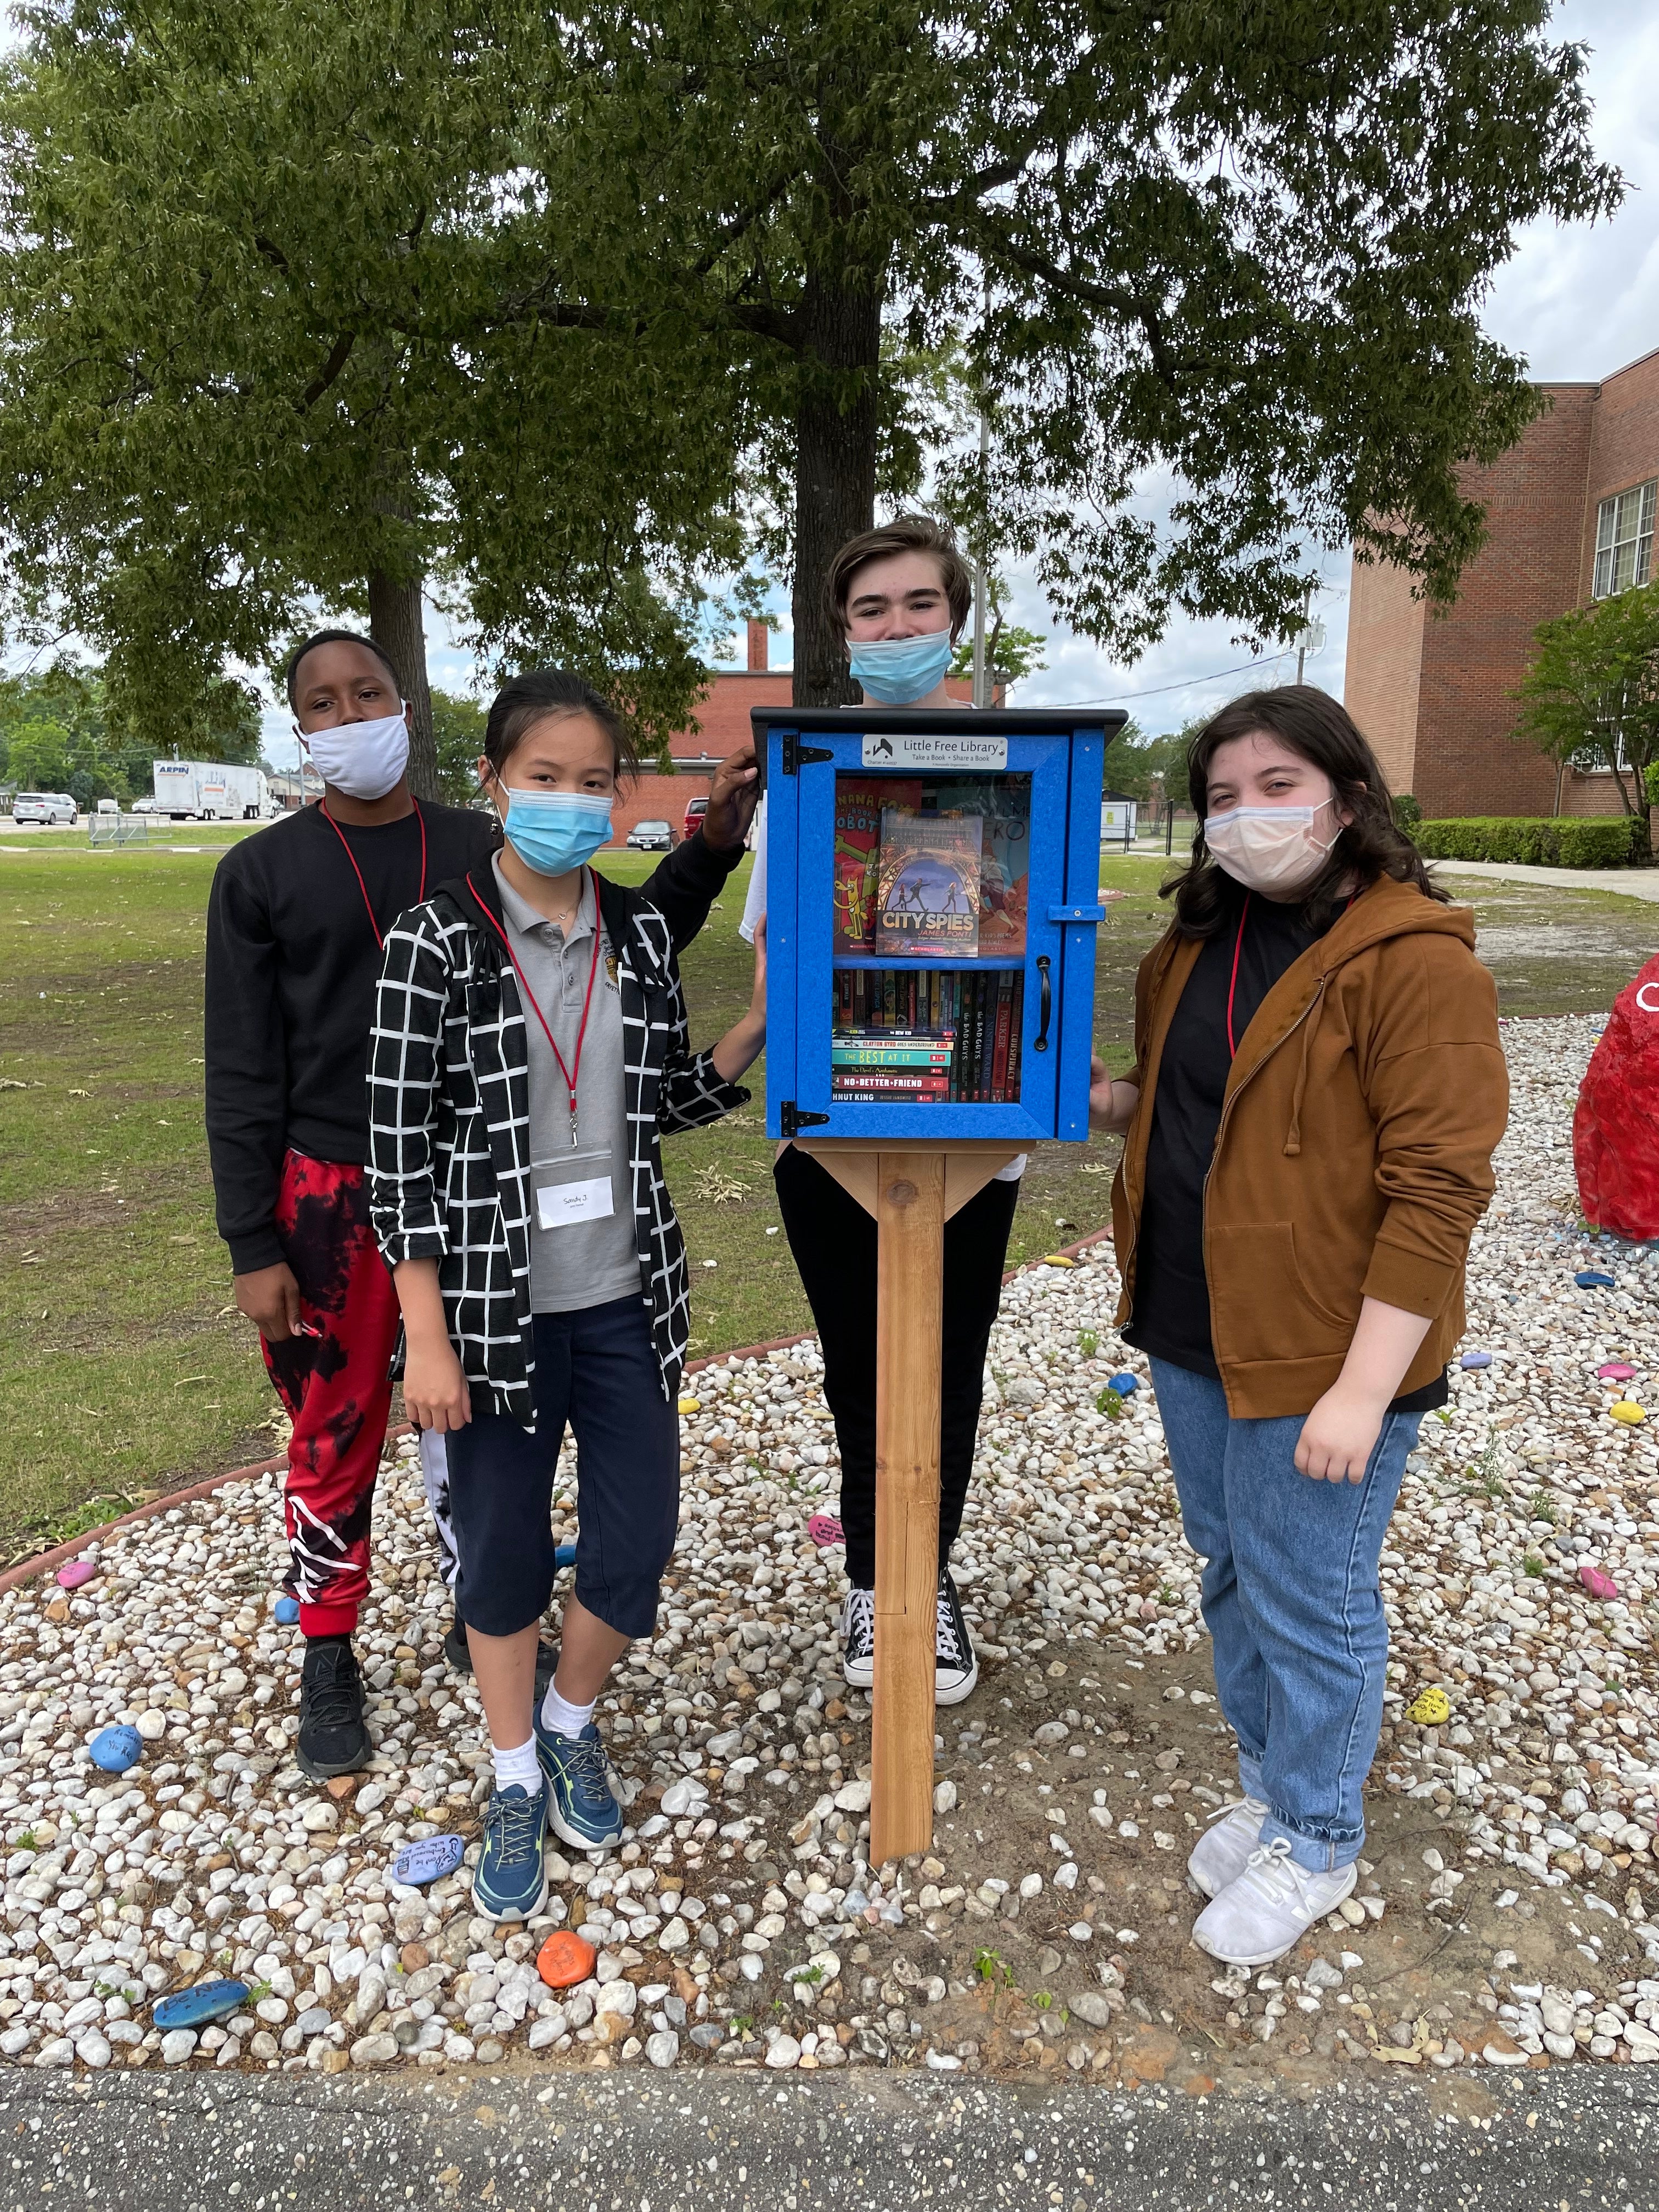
333, 1734
857, 1627
956, 1662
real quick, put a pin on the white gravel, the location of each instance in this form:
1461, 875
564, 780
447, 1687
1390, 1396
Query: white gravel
215, 1856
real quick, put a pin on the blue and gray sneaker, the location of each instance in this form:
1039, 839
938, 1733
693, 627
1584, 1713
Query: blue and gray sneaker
510, 1881
582, 1810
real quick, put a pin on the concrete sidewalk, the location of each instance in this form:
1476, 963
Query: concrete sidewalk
1626, 883
869, 2142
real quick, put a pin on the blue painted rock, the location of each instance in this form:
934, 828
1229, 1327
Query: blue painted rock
428, 1861
1475, 1359
200, 2007
1592, 1279
115, 1749
1124, 1384
565, 1556
285, 1611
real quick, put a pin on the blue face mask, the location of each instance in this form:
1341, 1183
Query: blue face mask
554, 831
897, 671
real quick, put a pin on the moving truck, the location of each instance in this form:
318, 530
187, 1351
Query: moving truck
210, 791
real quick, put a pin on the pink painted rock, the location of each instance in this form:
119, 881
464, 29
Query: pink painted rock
1615, 1127
1599, 1585
1615, 1371
77, 1572
824, 1530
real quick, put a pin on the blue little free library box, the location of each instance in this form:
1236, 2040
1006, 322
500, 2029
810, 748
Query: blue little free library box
933, 894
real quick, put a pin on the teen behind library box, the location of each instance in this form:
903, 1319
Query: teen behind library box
295, 922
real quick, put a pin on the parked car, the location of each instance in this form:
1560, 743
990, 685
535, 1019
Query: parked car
143, 806
695, 810
45, 806
651, 837
109, 806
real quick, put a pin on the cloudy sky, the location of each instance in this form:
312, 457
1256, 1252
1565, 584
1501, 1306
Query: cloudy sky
1575, 303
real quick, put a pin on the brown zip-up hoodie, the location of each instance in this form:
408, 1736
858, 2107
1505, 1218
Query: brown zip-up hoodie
1354, 1154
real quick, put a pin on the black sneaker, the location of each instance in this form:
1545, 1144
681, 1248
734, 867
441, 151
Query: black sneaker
458, 1653
956, 1662
333, 1735
858, 1627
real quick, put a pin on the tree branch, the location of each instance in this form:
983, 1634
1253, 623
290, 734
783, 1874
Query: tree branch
330, 368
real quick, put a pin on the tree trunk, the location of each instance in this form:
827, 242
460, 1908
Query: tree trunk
395, 624
834, 463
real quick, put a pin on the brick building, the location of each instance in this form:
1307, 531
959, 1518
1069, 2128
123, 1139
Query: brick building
1570, 518
723, 713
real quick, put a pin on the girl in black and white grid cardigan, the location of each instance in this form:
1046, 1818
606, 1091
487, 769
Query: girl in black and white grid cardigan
456, 1119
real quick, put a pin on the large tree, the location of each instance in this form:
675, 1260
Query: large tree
307, 301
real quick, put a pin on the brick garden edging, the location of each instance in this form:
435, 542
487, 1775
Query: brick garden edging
60, 1554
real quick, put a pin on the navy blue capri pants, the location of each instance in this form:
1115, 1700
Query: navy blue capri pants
596, 1371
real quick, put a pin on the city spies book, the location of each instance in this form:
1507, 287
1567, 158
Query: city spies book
929, 901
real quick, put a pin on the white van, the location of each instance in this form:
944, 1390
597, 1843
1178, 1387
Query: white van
47, 806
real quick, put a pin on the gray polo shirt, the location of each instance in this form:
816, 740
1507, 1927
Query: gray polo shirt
590, 1260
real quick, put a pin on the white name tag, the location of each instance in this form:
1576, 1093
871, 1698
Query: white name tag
559, 1204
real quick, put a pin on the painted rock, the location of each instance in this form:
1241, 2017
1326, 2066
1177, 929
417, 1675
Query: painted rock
74, 1572
1592, 1279
1615, 1125
565, 1960
825, 1529
1615, 1371
1124, 1384
690, 1405
1057, 1260
200, 2007
427, 1860
1629, 1411
286, 1612
1600, 1586
564, 1555
1471, 1359
1429, 1708
115, 1749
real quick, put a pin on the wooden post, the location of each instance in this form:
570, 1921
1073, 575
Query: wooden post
909, 1272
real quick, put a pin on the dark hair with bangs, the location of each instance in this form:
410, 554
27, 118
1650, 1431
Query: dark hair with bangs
291, 674
544, 695
1318, 727
909, 533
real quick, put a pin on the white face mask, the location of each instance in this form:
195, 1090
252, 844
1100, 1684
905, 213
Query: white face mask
361, 759
1270, 849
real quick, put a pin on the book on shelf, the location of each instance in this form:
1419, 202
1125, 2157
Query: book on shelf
929, 1052
899, 1082
928, 901
859, 801
1003, 807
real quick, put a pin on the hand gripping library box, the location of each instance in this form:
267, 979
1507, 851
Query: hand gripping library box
932, 895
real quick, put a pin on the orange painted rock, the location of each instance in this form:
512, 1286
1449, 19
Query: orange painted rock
565, 1960
1615, 1127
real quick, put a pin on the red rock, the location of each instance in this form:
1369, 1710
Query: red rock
1615, 1128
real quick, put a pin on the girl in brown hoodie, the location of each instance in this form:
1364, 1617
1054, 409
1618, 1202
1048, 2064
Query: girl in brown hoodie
1317, 1091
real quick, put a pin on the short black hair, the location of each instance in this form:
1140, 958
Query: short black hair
542, 695
334, 637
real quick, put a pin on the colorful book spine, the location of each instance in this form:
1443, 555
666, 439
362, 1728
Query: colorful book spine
859, 803
1000, 1046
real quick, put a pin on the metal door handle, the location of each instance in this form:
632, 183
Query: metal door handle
1047, 1007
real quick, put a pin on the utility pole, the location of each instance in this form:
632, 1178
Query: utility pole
981, 686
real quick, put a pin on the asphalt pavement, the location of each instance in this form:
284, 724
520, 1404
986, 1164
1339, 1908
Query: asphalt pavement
867, 2142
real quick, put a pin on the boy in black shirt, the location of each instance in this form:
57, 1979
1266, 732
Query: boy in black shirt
296, 926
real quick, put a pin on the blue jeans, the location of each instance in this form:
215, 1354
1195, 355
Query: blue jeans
1293, 1605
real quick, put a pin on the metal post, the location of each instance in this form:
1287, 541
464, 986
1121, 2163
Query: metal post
1168, 830
981, 688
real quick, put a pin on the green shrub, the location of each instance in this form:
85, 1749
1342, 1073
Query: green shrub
1406, 811
1563, 842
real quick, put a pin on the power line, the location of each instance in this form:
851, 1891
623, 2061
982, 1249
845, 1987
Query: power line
1186, 684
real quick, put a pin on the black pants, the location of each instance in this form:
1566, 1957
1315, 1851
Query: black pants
834, 1242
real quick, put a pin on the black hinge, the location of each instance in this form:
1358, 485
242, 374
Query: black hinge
792, 1120
796, 755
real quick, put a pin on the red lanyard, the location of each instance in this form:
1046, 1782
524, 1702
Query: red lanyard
1238, 946
571, 1072
322, 808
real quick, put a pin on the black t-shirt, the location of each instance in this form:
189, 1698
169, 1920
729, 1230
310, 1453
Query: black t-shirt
1171, 1316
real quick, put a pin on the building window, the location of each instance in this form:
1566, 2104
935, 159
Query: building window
1624, 539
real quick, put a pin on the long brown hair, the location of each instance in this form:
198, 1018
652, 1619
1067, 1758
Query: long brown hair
1318, 727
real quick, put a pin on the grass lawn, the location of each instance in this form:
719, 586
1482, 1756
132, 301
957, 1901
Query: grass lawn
124, 1368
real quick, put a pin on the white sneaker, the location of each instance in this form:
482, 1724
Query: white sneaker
858, 1628
1269, 1908
1223, 1851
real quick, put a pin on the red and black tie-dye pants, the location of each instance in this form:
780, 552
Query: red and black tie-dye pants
334, 1379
